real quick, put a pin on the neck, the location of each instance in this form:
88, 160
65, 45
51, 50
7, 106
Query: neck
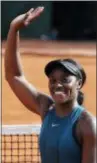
65, 108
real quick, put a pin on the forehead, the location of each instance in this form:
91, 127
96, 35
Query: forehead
60, 72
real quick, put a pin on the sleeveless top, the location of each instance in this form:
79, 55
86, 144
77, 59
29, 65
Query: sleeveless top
56, 141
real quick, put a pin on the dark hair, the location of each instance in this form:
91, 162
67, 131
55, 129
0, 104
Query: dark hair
80, 98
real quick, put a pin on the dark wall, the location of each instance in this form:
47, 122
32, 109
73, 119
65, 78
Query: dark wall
10, 10
75, 20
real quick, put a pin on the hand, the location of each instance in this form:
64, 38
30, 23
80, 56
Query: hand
25, 19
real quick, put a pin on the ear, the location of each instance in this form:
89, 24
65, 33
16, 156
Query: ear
79, 84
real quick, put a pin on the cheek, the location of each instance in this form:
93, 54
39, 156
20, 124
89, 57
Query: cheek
72, 88
50, 88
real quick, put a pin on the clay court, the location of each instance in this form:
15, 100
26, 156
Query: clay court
35, 54
20, 143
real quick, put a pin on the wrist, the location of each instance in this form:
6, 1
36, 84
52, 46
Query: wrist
13, 27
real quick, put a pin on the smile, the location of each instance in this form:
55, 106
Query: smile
59, 92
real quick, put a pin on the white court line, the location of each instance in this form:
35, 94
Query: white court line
21, 129
84, 52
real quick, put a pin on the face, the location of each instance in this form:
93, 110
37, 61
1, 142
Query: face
63, 86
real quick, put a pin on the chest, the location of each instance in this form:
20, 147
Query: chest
57, 142
56, 133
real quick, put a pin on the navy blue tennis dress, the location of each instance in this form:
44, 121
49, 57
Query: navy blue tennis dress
56, 141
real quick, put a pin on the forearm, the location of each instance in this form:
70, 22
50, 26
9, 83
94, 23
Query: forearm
12, 54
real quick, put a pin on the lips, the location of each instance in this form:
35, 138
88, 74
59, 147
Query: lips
59, 92
59, 95
63, 91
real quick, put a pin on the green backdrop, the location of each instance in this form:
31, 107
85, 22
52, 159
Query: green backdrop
41, 25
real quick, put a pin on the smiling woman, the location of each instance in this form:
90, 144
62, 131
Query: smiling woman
68, 131
72, 73
67, 125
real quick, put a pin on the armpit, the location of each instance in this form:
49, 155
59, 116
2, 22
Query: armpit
45, 102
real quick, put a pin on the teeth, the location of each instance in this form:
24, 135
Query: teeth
58, 92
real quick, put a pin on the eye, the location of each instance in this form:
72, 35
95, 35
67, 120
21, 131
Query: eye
66, 80
52, 81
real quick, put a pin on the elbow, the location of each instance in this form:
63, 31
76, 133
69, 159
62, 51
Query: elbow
8, 77
7, 74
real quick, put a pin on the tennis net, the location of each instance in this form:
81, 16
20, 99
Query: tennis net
20, 144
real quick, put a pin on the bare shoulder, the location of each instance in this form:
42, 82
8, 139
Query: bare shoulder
87, 123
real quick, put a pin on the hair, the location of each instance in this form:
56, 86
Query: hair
80, 98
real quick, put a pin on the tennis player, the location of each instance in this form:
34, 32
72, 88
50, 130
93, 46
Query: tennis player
68, 133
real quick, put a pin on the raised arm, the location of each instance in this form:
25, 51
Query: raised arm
27, 93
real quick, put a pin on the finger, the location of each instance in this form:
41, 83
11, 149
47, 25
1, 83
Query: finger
33, 13
39, 9
32, 9
28, 13
26, 23
36, 12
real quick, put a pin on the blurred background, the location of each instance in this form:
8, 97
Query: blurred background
63, 20
66, 29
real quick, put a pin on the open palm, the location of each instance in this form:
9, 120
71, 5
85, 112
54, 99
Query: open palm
25, 19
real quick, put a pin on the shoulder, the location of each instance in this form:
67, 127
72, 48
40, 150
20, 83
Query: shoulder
87, 124
87, 118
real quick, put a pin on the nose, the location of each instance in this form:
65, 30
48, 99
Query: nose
59, 86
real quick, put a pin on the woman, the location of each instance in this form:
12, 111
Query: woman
68, 133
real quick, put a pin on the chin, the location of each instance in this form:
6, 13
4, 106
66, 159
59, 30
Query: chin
61, 101
60, 98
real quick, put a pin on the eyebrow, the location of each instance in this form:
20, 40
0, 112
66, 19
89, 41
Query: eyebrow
62, 76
